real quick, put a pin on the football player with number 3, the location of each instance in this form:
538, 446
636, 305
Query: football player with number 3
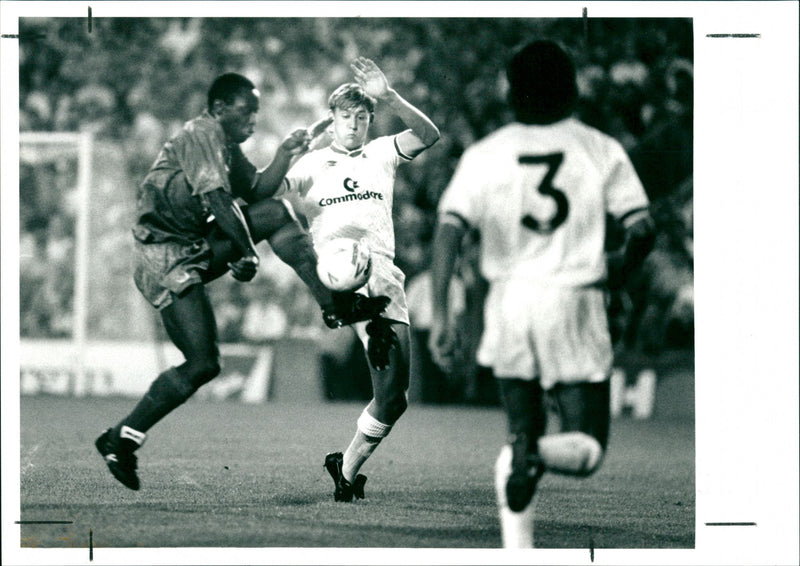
538, 190
345, 190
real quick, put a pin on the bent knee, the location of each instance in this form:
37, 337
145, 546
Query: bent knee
203, 371
571, 453
397, 406
590, 457
392, 407
266, 216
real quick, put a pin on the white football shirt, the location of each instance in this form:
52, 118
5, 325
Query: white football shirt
348, 194
539, 194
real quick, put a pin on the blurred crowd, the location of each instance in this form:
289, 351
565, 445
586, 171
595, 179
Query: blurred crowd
137, 84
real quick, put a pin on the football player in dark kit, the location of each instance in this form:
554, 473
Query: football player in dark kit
190, 230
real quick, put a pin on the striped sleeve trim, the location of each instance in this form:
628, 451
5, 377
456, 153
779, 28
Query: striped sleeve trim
633, 216
399, 151
284, 188
454, 218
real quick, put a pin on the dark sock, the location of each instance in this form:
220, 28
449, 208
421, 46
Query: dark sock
524, 404
168, 391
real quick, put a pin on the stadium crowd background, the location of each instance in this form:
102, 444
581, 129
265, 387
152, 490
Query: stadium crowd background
134, 82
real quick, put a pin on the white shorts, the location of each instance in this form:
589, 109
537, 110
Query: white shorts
559, 335
388, 279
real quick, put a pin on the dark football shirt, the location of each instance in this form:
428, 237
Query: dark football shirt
196, 161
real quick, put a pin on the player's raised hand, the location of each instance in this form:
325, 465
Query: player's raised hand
296, 142
370, 77
320, 135
319, 127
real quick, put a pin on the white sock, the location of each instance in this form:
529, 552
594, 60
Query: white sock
570, 452
516, 528
369, 434
360, 449
132, 434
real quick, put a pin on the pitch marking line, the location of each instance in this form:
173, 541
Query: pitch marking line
188, 479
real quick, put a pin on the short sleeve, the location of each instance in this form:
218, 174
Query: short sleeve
397, 149
201, 153
385, 150
624, 194
299, 178
461, 198
242, 174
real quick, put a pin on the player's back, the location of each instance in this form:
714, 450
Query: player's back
541, 200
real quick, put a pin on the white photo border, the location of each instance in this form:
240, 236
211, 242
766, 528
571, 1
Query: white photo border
746, 280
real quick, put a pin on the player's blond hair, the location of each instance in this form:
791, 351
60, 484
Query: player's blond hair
351, 95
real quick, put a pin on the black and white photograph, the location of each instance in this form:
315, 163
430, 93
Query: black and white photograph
399, 282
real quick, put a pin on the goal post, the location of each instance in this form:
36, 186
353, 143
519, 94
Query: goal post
41, 148
80, 334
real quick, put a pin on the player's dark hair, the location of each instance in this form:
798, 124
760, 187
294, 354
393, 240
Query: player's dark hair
542, 85
227, 87
351, 95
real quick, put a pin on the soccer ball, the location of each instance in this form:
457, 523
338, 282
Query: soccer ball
344, 264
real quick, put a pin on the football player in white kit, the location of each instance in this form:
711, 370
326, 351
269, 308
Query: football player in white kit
538, 190
346, 190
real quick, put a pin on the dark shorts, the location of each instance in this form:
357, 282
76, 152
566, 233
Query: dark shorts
168, 267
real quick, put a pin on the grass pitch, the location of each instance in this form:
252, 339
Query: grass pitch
223, 474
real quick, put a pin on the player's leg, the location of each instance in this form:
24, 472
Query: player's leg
271, 220
389, 388
575, 358
516, 527
518, 467
506, 346
389, 402
584, 412
523, 401
190, 324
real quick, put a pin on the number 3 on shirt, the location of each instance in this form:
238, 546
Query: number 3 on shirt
546, 188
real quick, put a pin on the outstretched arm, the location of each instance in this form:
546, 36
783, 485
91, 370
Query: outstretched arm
423, 132
268, 181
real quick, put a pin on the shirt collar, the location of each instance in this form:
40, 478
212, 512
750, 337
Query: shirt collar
339, 149
207, 117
